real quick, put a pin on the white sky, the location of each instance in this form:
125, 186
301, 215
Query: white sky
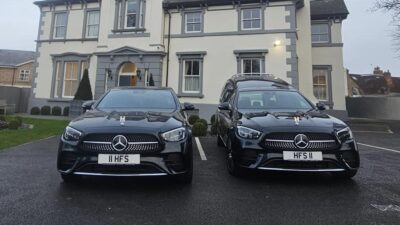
366, 35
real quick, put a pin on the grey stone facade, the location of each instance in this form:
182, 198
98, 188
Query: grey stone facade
113, 61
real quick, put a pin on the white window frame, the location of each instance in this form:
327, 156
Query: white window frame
58, 26
328, 34
326, 85
250, 19
65, 79
253, 58
187, 23
24, 75
192, 75
92, 25
138, 17
58, 78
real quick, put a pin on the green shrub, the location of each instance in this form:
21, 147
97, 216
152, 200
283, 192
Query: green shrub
19, 119
193, 119
151, 81
199, 129
13, 124
203, 121
84, 91
66, 111
2, 118
45, 110
213, 119
56, 111
35, 111
214, 129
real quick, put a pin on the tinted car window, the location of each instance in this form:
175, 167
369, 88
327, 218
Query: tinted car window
272, 100
138, 99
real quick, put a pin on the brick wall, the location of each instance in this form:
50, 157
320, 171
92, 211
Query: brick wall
7, 75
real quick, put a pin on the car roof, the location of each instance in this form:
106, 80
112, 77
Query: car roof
141, 88
257, 81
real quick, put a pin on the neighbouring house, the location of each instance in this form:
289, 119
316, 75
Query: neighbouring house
377, 83
16, 68
193, 46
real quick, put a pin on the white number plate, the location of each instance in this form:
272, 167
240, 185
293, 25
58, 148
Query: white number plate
302, 156
118, 159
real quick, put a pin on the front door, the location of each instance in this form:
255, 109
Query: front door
127, 75
133, 81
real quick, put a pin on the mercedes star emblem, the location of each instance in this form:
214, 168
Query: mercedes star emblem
119, 143
301, 141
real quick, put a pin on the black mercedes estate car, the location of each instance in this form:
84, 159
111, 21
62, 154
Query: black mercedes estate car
266, 124
129, 132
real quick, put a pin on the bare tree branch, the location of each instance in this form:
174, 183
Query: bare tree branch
393, 7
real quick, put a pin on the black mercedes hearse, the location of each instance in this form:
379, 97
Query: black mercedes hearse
266, 124
129, 132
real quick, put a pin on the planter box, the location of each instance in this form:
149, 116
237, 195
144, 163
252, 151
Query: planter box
75, 108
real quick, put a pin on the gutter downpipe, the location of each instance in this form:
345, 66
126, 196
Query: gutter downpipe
168, 47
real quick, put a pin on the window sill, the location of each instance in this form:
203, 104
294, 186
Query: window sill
134, 30
328, 44
190, 95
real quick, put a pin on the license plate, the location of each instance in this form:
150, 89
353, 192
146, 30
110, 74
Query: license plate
302, 156
118, 159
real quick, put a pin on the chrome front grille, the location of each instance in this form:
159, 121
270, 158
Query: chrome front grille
285, 141
102, 143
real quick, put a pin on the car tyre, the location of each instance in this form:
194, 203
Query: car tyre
345, 175
233, 168
70, 178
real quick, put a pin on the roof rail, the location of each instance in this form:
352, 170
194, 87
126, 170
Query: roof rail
258, 76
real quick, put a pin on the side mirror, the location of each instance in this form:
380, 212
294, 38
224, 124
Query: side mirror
88, 105
188, 106
224, 106
321, 106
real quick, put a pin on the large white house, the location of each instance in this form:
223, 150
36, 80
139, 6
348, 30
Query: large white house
193, 46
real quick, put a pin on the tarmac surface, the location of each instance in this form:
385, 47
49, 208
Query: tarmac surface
32, 192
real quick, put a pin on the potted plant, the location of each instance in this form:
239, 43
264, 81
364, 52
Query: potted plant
84, 93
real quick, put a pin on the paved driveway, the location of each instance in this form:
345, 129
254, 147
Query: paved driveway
31, 191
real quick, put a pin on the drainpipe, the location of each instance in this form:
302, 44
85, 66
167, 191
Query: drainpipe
168, 47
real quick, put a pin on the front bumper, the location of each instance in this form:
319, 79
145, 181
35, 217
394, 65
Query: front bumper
251, 155
172, 159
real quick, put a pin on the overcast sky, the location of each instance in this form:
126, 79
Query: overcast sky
366, 35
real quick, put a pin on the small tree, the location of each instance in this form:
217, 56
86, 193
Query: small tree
84, 91
151, 81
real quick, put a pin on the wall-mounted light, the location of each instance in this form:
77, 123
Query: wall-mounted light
109, 74
277, 43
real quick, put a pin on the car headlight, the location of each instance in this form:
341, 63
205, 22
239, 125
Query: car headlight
72, 134
344, 134
248, 133
174, 135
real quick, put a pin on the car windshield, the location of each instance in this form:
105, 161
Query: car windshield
138, 100
273, 101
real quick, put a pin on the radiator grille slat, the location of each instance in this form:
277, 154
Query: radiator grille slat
138, 143
285, 141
